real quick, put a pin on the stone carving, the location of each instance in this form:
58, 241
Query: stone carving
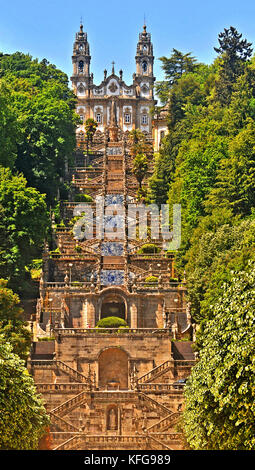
112, 419
113, 87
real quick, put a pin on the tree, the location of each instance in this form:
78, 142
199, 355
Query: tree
44, 107
8, 129
90, 129
174, 67
219, 412
23, 418
234, 52
235, 188
12, 326
140, 167
23, 225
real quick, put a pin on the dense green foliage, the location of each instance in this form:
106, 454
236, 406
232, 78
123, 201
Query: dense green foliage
41, 138
148, 248
220, 395
23, 225
111, 322
207, 163
22, 415
12, 326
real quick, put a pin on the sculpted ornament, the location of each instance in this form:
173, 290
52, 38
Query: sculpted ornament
113, 87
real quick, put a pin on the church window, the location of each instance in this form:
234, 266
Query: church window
81, 66
98, 118
127, 118
82, 118
144, 66
144, 119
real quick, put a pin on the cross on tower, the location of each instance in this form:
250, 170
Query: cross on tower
113, 63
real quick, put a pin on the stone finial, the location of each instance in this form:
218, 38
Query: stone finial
105, 74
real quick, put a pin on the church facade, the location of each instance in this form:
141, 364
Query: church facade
133, 102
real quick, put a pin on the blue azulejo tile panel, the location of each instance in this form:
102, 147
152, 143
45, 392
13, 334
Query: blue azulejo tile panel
114, 199
113, 277
112, 249
114, 221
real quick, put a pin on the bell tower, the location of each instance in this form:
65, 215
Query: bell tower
144, 55
144, 80
81, 78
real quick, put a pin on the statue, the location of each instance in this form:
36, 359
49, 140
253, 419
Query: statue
112, 420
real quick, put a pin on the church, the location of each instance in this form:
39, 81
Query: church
134, 103
112, 387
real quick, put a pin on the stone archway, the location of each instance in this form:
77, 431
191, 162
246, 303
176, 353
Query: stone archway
113, 305
113, 369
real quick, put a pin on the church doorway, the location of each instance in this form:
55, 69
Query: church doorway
113, 369
113, 306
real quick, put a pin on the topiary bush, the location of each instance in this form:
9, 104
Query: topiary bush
150, 279
83, 198
111, 322
149, 248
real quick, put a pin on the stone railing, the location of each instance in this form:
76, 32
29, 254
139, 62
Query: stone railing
73, 373
68, 285
155, 286
153, 373
61, 387
159, 387
74, 256
114, 331
62, 423
158, 445
115, 395
164, 423
95, 441
70, 404
169, 437
154, 404
69, 444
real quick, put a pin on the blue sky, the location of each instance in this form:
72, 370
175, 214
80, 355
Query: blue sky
46, 28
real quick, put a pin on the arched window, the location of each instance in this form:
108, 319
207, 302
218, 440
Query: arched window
81, 66
144, 66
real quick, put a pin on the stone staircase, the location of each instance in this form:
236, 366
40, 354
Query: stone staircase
62, 424
154, 405
73, 373
70, 405
164, 424
156, 372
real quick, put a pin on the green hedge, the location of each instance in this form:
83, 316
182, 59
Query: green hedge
83, 198
111, 322
151, 279
149, 248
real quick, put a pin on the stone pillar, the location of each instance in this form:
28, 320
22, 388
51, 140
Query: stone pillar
159, 316
133, 316
91, 314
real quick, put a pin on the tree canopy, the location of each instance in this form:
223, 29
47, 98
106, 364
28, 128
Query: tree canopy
43, 104
220, 394
23, 418
23, 224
